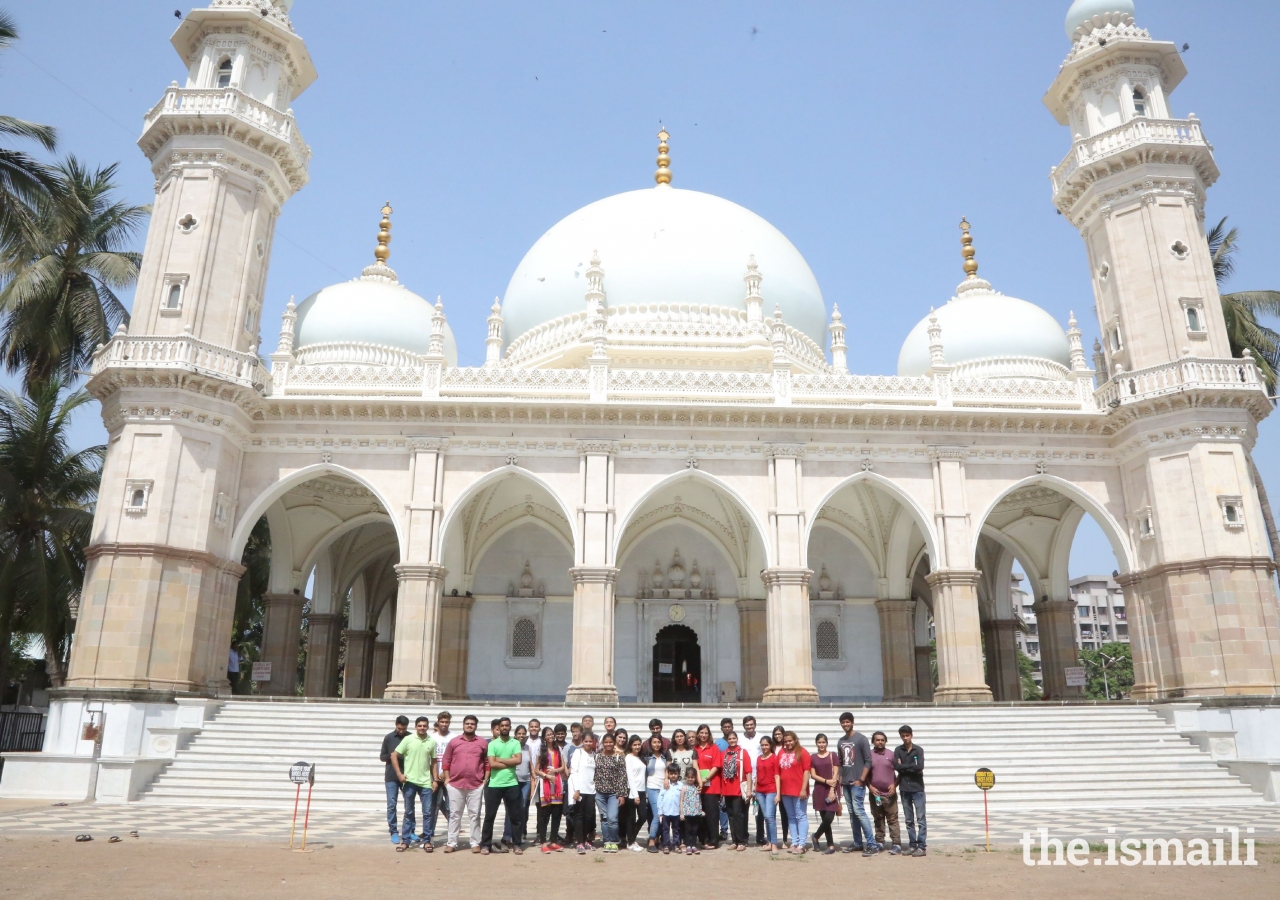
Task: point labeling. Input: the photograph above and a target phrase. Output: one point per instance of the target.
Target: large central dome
(662, 245)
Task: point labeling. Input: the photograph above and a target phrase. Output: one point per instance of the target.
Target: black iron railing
(21, 730)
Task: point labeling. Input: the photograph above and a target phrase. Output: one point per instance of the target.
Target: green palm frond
(58, 283)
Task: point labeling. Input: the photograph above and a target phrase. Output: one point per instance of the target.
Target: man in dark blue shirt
(389, 745)
(908, 762)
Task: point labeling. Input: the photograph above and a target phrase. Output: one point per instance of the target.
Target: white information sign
(1075, 676)
(261, 671)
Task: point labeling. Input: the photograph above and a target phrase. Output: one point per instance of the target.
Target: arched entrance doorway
(677, 666)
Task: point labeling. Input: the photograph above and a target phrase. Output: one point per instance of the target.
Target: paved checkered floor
(223, 823)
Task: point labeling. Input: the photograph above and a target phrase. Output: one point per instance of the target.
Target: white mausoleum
(664, 483)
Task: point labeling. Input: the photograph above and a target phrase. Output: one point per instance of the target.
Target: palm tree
(1241, 311)
(58, 282)
(47, 493)
(22, 178)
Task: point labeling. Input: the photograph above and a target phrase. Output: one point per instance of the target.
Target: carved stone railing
(862, 390)
(689, 325)
(499, 382)
(182, 352)
(1140, 130)
(356, 353)
(1011, 367)
(207, 102)
(1192, 372)
(684, 385)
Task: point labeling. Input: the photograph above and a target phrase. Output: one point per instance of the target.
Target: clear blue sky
(863, 136)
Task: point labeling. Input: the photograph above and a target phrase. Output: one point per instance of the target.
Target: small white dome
(662, 245)
(1085, 15)
(373, 311)
(980, 324)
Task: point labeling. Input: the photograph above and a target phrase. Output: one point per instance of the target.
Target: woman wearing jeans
(654, 781)
(793, 788)
(611, 789)
(766, 782)
(632, 815)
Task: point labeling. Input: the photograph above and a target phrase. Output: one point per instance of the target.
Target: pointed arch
(278, 489)
(918, 515)
(693, 525)
(711, 481)
(510, 526)
(455, 508)
(1110, 527)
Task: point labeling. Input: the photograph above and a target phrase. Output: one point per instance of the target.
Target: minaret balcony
(181, 354)
(1223, 377)
(1138, 141)
(231, 113)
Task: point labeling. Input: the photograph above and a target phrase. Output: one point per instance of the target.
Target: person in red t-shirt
(793, 781)
(735, 786)
(766, 782)
(708, 758)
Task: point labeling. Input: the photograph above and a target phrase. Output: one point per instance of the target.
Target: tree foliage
(1027, 675)
(1118, 660)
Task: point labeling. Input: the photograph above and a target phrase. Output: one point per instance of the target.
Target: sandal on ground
(517, 850)
(427, 848)
(449, 848)
(81, 838)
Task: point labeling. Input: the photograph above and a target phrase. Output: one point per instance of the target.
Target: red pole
(307, 817)
(985, 817)
(294, 826)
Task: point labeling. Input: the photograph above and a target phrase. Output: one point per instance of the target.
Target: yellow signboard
(985, 779)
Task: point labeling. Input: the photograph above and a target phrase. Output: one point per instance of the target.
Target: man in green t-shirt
(502, 787)
(417, 779)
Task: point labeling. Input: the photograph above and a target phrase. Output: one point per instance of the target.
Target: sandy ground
(138, 869)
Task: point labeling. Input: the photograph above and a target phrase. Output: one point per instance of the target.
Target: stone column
(1057, 621)
(897, 648)
(958, 636)
(281, 632)
(594, 577)
(455, 646)
(381, 673)
(753, 644)
(357, 674)
(1146, 679)
(593, 617)
(787, 629)
(154, 617)
(417, 635)
(924, 674)
(324, 631)
(1000, 639)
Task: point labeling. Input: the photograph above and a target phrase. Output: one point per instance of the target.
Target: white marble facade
(663, 379)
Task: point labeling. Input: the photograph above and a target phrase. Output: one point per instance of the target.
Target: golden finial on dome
(966, 249)
(383, 252)
(663, 175)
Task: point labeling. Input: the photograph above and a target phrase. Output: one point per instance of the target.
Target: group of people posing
(684, 793)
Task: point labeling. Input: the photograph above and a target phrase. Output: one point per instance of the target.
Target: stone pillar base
(427, 692)
(790, 694)
(978, 693)
(592, 695)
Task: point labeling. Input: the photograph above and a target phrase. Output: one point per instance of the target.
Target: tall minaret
(1134, 184)
(227, 154)
(1202, 606)
(160, 583)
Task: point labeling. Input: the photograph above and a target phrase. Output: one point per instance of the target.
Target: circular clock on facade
(676, 612)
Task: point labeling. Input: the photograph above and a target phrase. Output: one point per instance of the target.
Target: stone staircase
(1044, 758)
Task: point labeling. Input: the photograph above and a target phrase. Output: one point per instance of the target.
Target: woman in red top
(766, 780)
(735, 787)
(793, 783)
(708, 758)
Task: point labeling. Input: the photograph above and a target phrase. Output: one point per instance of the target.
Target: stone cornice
(597, 448)
(778, 576)
(164, 551)
(954, 577)
(1263, 563)
(420, 572)
(784, 451)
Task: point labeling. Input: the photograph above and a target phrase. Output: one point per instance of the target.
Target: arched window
(1139, 102)
(524, 639)
(828, 640)
(139, 498)
(1193, 319)
(224, 73)
(175, 297)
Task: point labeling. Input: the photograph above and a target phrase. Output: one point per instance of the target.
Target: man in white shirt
(749, 741)
(442, 736)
